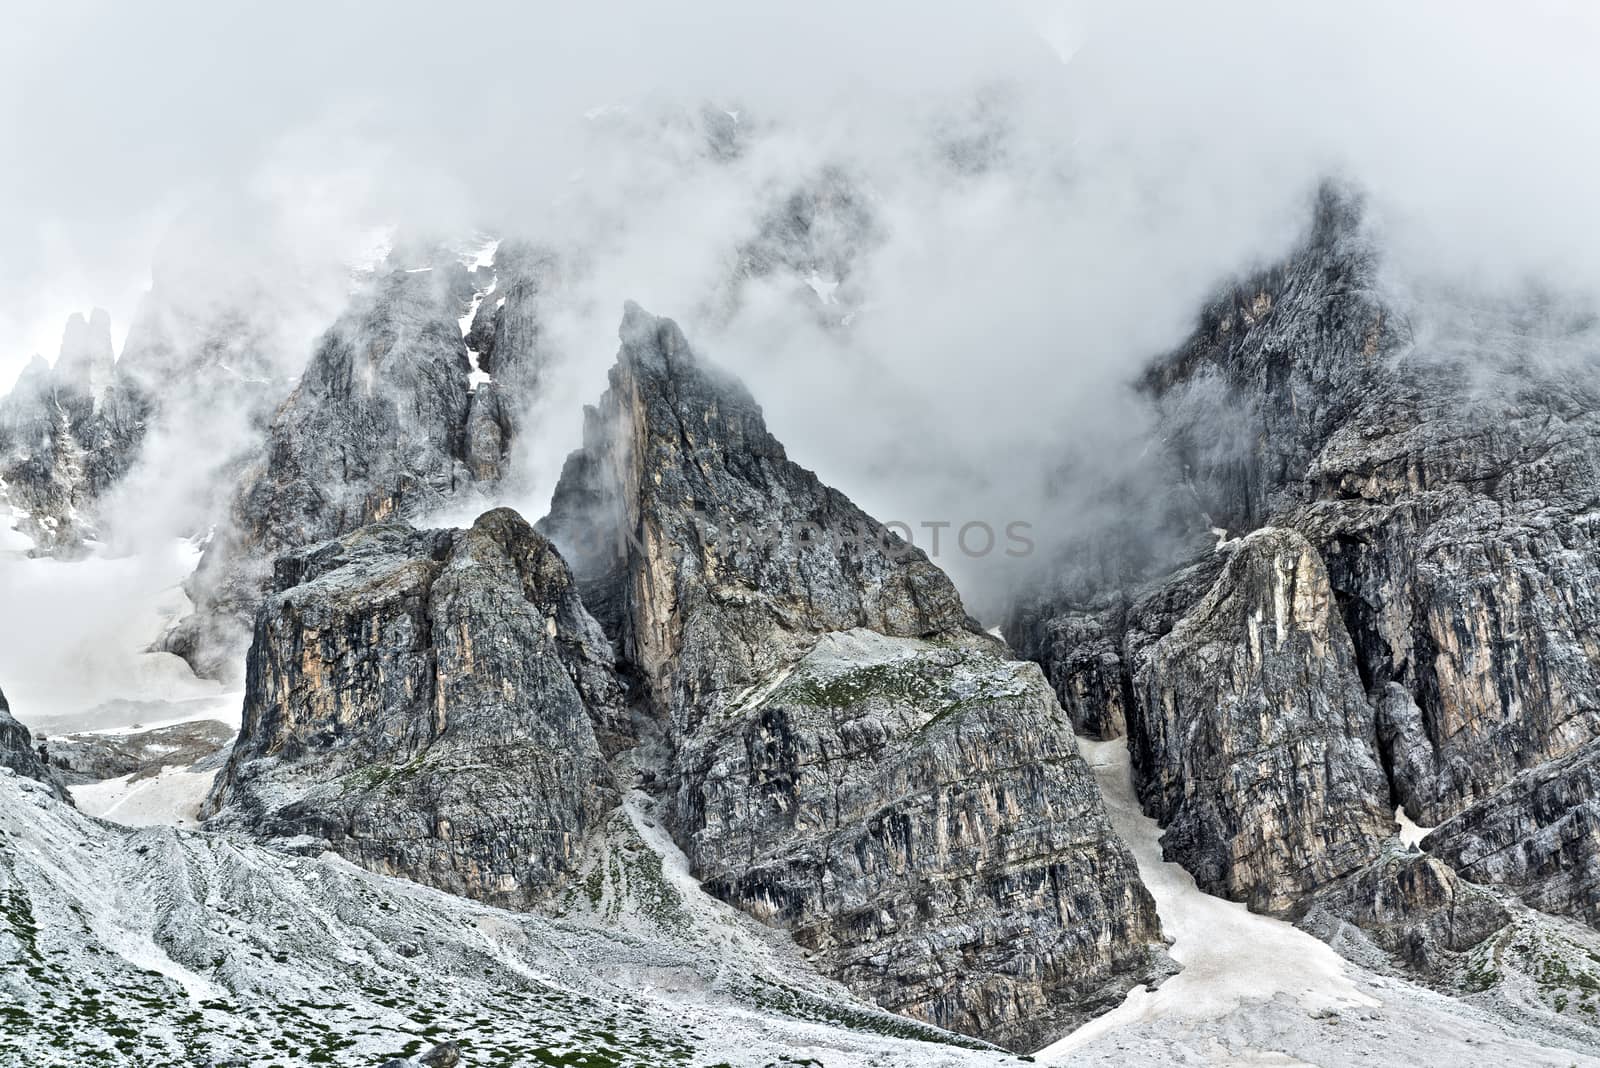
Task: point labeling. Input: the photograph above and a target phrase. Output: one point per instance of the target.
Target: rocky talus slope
(426, 703)
(847, 755)
(1371, 583)
(165, 946)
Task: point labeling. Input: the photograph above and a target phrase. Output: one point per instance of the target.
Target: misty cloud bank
(1012, 208)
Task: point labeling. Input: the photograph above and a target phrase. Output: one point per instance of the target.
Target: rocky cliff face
(375, 431)
(848, 757)
(413, 399)
(1254, 742)
(66, 437)
(1447, 482)
(1410, 905)
(1396, 606)
(713, 558)
(426, 703)
(1539, 837)
(916, 813)
(18, 752)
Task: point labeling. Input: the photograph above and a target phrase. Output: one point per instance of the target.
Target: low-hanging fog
(1040, 197)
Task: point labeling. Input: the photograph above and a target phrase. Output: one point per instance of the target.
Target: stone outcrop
(1538, 837)
(18, 752)
(847, 755)
(506, 339)
(1254, 743)
(1438, 465)
(1412, 906)
(714, 559)
(415, 398)
(96, 755)
(1447, 480)
(63, 442)
(426, 703)
(375, 431)
(917, 814)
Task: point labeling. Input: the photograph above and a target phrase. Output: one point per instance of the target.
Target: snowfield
(1258, 991)
(169, 798)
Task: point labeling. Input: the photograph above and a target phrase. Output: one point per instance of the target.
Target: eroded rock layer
(1539, 837)
(1438, 467)
(916, 813)
(425, 703)
(849, 757)
(1255, 743)
(713, 558)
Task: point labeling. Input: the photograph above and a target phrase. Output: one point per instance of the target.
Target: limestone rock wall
(426, 703)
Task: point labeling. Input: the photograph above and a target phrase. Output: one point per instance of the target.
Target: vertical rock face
(1276, 365)
(1539, 837)
(506, 336)
(1448, 484)
(715, 559)
(17, 752)
(917, 814)
(847, 756)
(1255, 743)
(375, 431)
(84, 368)
(1439, 465)
(426, 703)
(1468, 566)
(1083, 656)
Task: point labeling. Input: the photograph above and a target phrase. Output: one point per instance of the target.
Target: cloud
(1054, 186)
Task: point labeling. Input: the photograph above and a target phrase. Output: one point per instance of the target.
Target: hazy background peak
(1009, 207)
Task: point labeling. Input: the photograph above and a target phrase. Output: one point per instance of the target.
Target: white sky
(1146, 152)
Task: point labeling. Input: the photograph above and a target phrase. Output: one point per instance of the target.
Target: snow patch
(484, 255)
(823, 288)
(1409, 834)
(1230, 955)
(170, 798)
